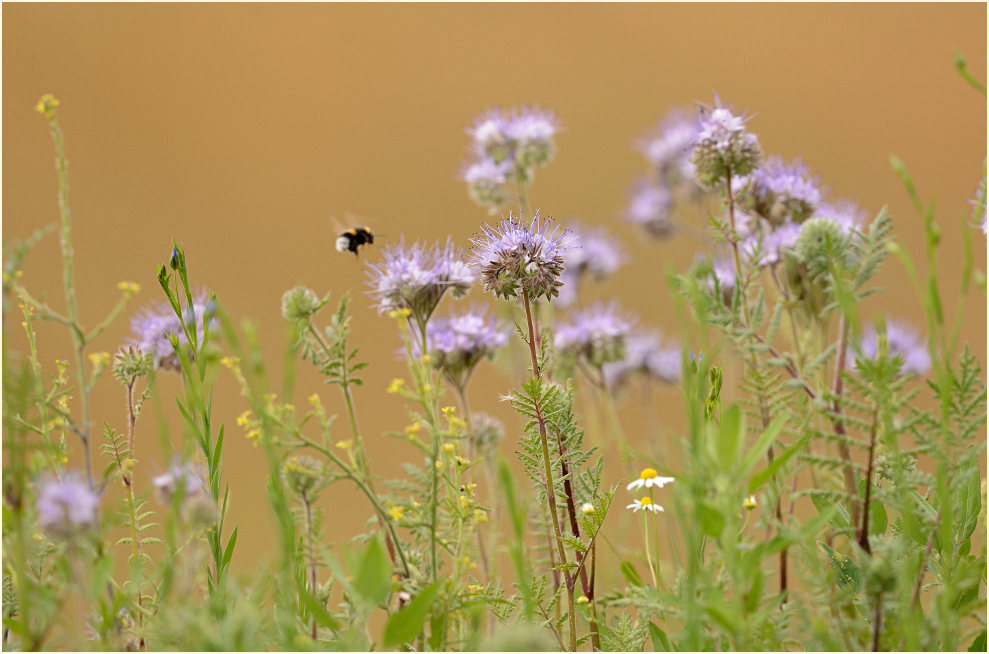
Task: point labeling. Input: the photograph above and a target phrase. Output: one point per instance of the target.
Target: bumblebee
(352, 239)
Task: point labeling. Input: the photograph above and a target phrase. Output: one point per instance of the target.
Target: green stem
(645, 533)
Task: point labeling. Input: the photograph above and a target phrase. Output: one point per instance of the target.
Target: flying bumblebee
(352, 239)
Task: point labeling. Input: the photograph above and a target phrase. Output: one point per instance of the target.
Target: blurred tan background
(240, 130)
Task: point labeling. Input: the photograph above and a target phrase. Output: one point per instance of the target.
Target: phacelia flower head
(518, 258)
(773, 245)
(152, 325)
(457, 343)
(596, 334)
(979, 206)
(821, 244)
(67, 507)
(845, 213)
(531, 130)
(782, 192)
(650, 206)
(902, 342)
(487, 182)
(646, 356)
(489, 135)
(670, 146)
(415, 277)
(181, 478)
(595, 254)
(724, 147)
(300, 304)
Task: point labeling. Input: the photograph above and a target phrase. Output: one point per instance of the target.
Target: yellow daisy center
(648, 473)
(645, 500)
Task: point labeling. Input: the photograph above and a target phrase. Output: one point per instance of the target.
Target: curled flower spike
(516, 258)
(723, 146)
(650, 478)
(645, 504)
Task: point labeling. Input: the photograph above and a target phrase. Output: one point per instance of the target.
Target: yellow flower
(100, 359)
(396, 385)
(480, 515)
(427, 388)
(649, 478)
(129, 289)
(582, 600)
(345, 445)
(749, 502)
(462, 461)
(398, 314)
(448, 411)
(413, 429)
(244, 419)
(458, 423)
(426, 358)
(314, 401)
(475, 588)
(396, 512)
(465, 502)
(449, 448)
(46, 105)
(230, 362)
(254, 436)
(439, 464)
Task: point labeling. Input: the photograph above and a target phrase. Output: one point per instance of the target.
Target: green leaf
(712, 522)
(630, 573)
(437, 627)
(317, 610)
(762, 444)
(979, 644)
(405, 625)
(970, 502)
(838, 516)
(732, 426)
(846, 573)
(761, 477)
(660, 641)
(229, 550)
(373, 579)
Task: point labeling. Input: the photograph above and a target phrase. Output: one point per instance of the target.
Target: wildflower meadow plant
(825, 491)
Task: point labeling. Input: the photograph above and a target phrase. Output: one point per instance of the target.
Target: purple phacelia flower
(457, 343)
(902, 342)
(181, 478)
(152, 325)
(415, 277)
(774, 244)
(669, 147)
(595, 254)
(650, 206)
(487, 182)
(724, 148)
(516, 258)
(67, 507)
(782, 192)
(845, 213)
(489, 135)
(596, 334)
(644, 355)
(523, 138)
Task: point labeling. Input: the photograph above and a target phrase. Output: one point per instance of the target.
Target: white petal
(638, 483)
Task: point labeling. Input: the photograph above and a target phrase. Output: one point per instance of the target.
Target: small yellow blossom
(254, 436)
(749, 503)
(439, 464)
(244, 419)
(230, 362)
(462, 461)
(396, 385)
(466, 502)
(426, 358)
(100, 359)
(449, 411)
(413, 429)
(426, 388)
(46, 105)
(37, 536)
(314, 401)
(582, 600)
(480, 515)
(398, 314)
(58, 421)
(396, 512)
(467, 563)
(449, 448)
(345, 445)
(129, 289)
(458, 423)
(475, 588)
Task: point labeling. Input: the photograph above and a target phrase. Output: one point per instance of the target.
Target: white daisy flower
(645, 504)
(749, 503)
(650, 478)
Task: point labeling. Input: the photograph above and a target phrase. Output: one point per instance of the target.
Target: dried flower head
(67, 507)
(596, 334)
(415, 277)
(724, 148)
(131, 362)
(300, 304)
(516, 258)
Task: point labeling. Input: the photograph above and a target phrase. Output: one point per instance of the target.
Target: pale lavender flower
(152, 325)
(774, 244)
(724, 148)
(669, 147)
(644, 355)
(848, 216)
(650, 206)
(902, 342)
(596, 334)
(595, 254)
(515, 258)
(457, 343)
(782, 192)
(180, 477)
(979, 206)
(531, 131)
(489, 135)
(67, 506)
(415, 277)
(487, 182)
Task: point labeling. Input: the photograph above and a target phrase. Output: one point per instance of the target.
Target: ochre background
(240, 130)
